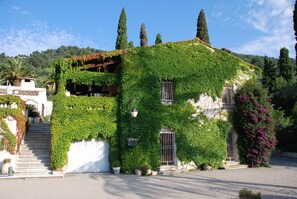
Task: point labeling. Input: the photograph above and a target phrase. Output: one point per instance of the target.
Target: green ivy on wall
(9, 140)
(80, 118)
(194, 69)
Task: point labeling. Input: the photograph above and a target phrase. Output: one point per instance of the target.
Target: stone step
(34, 161)
(38, 150)
(234, 165)
(33, 175)
(37, 135)
(34, 164)
(32, 167)
(32, 170)
(35, 145)
(38, 156)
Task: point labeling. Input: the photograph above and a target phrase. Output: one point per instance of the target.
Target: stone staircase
(34, 159)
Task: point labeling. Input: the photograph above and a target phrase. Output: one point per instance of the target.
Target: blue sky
(258, 27)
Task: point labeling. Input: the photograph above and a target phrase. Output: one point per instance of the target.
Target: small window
(228, 95)
(167, 92)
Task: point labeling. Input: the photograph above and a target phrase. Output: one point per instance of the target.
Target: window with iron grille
(228, 95)
(168, 148)
(167, 92)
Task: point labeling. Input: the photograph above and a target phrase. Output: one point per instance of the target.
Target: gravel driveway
(279, 180)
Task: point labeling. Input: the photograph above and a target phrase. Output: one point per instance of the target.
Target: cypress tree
(158, 39)
(202, 31)
(286, 69)
(131, 44)
(269, 74)
(122, 40)
(143, 36)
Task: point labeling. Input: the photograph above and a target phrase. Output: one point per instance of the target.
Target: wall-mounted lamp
(134, 112)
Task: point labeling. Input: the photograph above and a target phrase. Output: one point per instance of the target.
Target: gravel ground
(276, 182)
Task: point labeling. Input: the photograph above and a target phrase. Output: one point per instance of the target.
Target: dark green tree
(122, 40)
(143, 36)
(158, 39)
(14, 70)
(131, 44)
(202, 31)
(295, 25)
(269, 74)
(286, 68)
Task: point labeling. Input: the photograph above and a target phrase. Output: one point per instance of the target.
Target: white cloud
(37, 37)
(20, 10)
(274, 20)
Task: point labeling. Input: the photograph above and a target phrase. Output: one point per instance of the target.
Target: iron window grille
(167, 92)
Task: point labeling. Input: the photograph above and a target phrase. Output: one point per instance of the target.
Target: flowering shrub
(254, 125)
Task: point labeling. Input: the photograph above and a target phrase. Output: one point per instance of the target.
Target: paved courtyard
(280, 179)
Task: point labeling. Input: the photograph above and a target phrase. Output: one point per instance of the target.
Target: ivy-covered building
(182, 92)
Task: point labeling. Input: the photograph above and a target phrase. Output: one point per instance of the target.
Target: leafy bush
(116, 163)
(248, 194)
(32, 111)
(254, 124)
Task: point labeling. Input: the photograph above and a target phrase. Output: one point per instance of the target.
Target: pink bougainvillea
(254, 125)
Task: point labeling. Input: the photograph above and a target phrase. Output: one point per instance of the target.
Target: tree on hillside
(286, 68)
(202, 31)
(14, 69)
(143, 36)
(295, 25)
(122, 40)
(158, 39)
(49, 80)
(269, 74)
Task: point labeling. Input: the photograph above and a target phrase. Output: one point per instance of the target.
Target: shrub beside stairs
(34, 159)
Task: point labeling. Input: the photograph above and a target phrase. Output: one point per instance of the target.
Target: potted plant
(116, 167)
(145, 169)
(6, 165)
(137, 170)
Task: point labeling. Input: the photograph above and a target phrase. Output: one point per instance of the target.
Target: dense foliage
(202, 30)
(122, 38)
(191, 66)
(254, 124)
(98, 115)
(143, 36)
(194, 69)
(80, 118)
